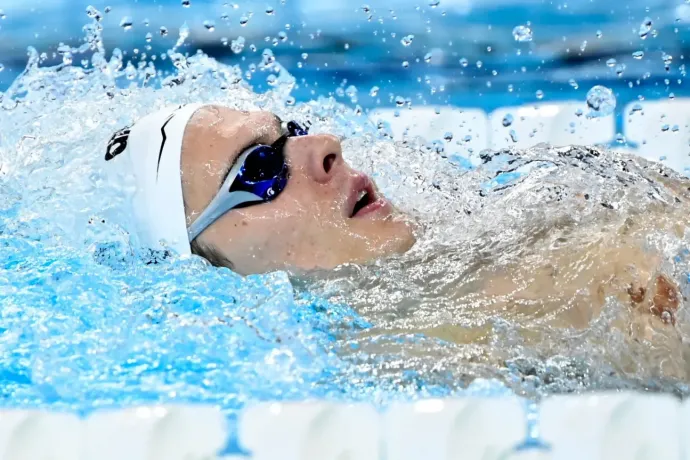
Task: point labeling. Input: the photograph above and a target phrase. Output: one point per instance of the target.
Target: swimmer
(250, 192)
(254, 193)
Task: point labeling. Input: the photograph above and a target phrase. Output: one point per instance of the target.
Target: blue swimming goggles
(258, 176)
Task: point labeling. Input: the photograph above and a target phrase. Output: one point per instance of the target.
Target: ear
(117, 143)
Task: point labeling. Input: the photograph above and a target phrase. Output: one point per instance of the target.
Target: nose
(320, 155)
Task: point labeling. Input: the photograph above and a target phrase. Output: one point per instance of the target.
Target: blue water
(88, 319)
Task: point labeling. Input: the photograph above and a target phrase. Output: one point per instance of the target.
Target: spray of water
(508, 281)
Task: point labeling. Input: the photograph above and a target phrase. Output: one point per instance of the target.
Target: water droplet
(583, 46)
(434, 3)
(620, 68)
(399, 101)
(210, 25)
(578, 113)
(149, 37)
(638, 54)
(620, 138)
(93, 13)
(522, 34)
(667, 58)
(374, 91)
(270, 10)
(467, 138)
(130, 71)
(407, 40)
(573, 83)
(599, 34)
(645, 27)
(671, 96)
(366, 8)
(224, 41)
(510, 88)
(507, 120)
(464, 62)
(126, 23)
(601, 101)
(664, 127)
(636, 108)
(186, 3)
(2, 67)
(405, 64)
(282, 36)
(513, 135)
(479, 64)
(237, 45)
(108, 9)
(448, 136)
(611, 62)
(427, 58)
(244, 20)
(164, 31)
(540, 94)
(2, 14)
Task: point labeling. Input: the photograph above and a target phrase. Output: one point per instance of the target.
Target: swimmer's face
(310, 224)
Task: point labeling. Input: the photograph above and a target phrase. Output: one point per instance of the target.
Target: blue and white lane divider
(620, 426)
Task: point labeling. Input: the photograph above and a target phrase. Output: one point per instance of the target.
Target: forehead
(217, 133)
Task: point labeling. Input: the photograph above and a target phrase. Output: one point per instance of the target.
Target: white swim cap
(153, 146)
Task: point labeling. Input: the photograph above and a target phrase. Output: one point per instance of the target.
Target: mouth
(364, 200)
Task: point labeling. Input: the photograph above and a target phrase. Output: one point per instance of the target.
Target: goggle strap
(218, 207)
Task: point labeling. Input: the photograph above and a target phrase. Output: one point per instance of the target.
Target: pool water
(90, 319)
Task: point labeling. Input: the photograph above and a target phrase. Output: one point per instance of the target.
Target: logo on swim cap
(117, 144)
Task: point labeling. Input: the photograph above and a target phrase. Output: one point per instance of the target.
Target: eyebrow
(226, 171)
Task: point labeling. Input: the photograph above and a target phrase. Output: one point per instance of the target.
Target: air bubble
(149, 37)
(464, 62)
(611, 62)
(645, 27)
(163, 31)
(513, 135)
(427, 58)
(210, 25)
(2, 14)
(434, 3)
(583, 46)
(507, 120)
(573, 83)
(405, 64)
(374, 91)
(539, 94)
(522, 34)
(399, 101)
(244, 20)
(186, 3)
(599, 34)
(282, 36)
(270, 11)
(601, 101)
(448, 136)
(638, 54)
(237, 45)
(2, 67)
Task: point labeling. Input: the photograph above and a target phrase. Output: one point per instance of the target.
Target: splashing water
(89, 318)
(522, 34)
(601, 101)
